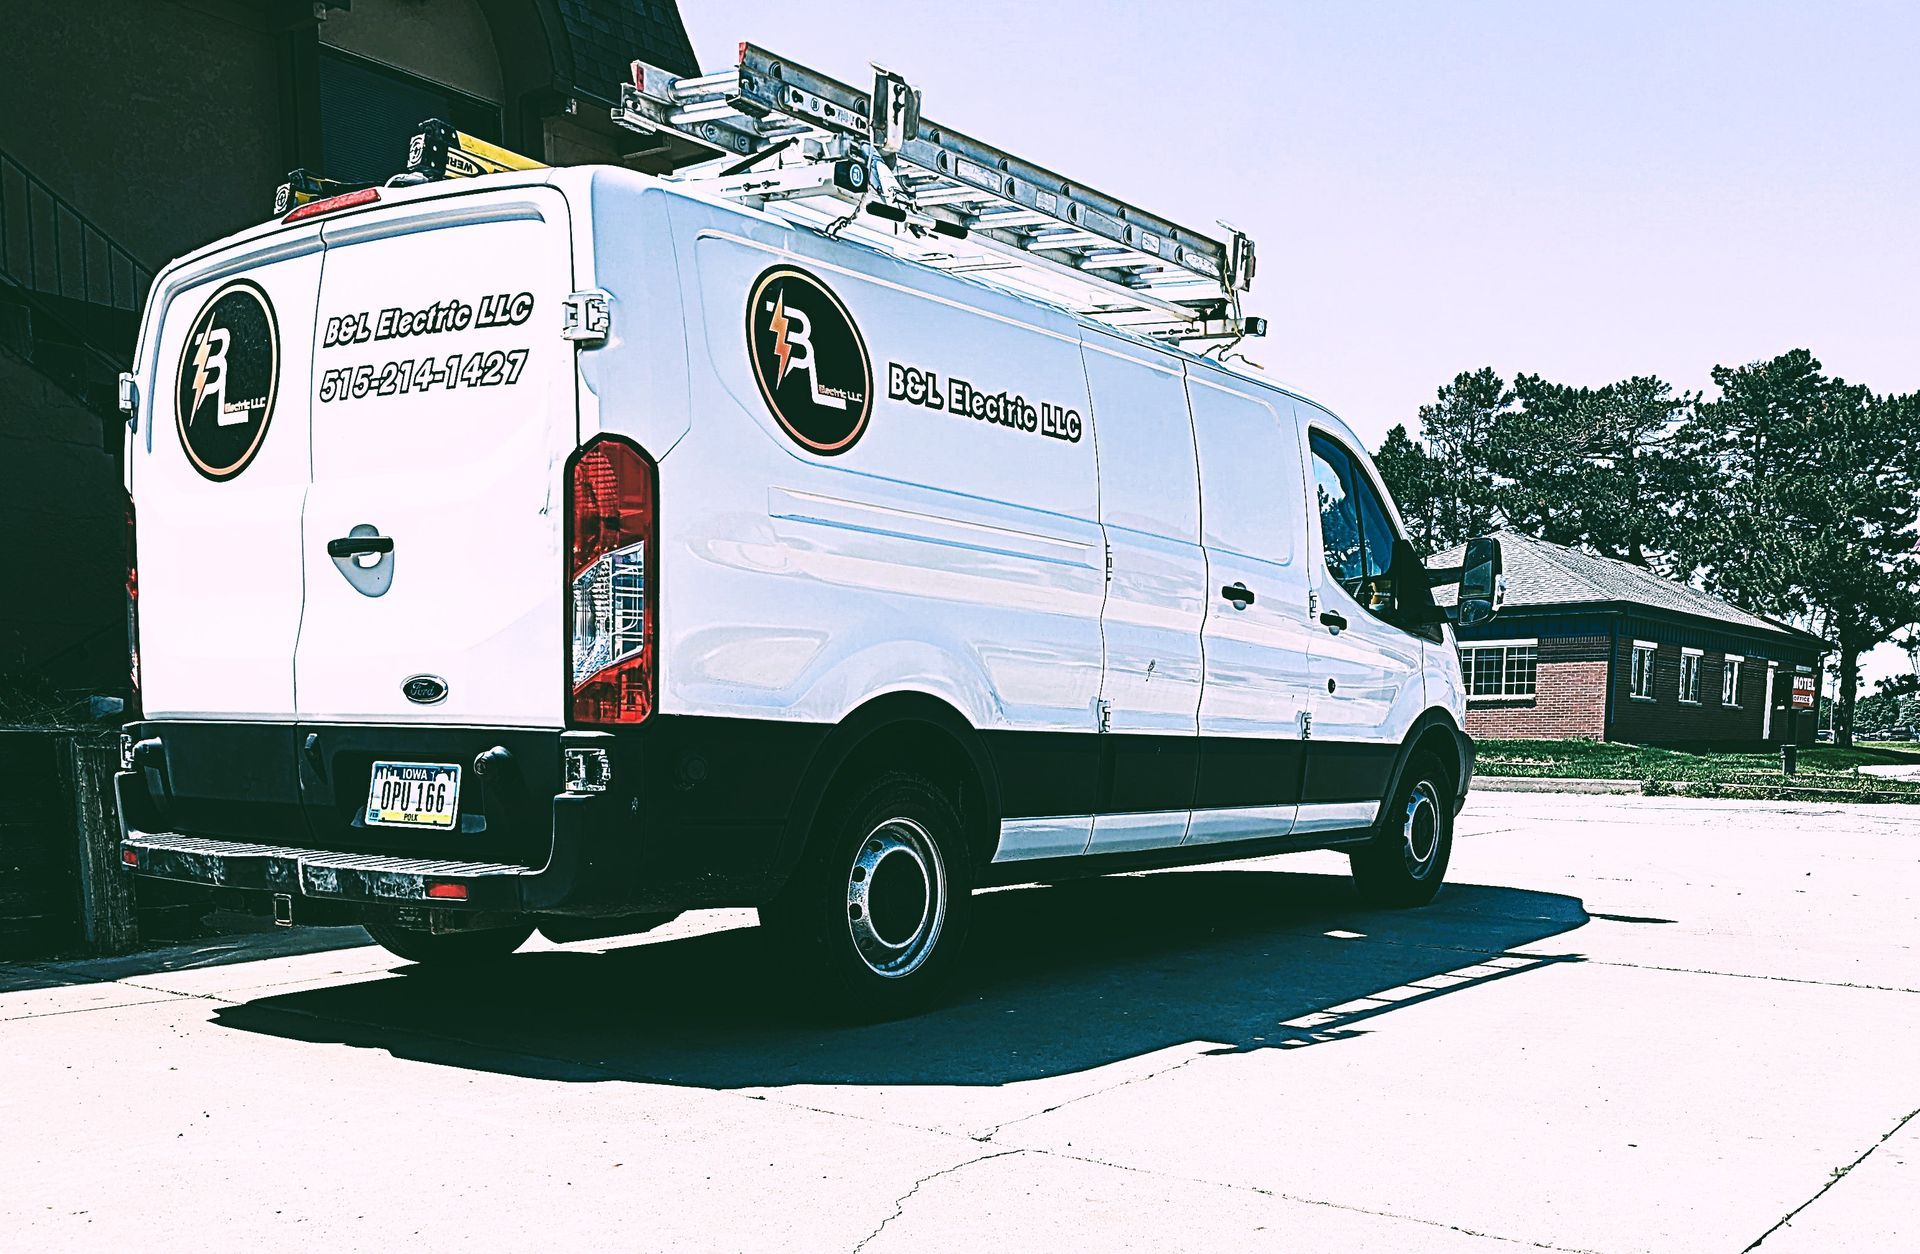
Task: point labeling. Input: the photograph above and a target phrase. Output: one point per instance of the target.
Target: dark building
(1591, 647)
(132, 131)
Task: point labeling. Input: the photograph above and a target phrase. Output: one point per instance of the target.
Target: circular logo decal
(229, 372)
(809, 360)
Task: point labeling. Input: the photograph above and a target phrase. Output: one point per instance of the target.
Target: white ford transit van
(568, 549)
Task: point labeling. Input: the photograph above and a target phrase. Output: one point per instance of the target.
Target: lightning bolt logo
(231, 347)
(778, 325)
(785, 310)
(203, 347)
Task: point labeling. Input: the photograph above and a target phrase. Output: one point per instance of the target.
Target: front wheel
(1406, 860)
(449, 950)
(878, 912)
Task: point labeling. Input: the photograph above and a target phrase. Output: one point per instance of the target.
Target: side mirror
(1483, 586)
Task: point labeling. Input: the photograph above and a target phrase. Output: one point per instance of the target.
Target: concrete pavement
(1629, 1023)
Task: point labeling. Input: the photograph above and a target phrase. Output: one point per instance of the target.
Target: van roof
(393, 195)
(390, 195)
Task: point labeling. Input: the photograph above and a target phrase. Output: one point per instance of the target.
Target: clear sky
(1586, 191)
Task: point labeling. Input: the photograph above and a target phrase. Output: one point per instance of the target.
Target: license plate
(413, 794)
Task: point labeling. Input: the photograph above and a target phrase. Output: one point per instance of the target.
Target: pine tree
(1803, 504)
(1457, 430)
(1412, 480)
(1591, 466)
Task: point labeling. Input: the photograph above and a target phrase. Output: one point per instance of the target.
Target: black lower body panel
(699, 811)
(692, 815)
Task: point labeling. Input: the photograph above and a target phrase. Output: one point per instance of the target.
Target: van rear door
(444, 411)
(217, 466)
(218, 472)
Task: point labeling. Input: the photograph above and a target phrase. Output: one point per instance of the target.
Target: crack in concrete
(996, 1129)
(900, 1203)
(1151, 1173)
(1278, 1196)
(84, 1010)
(1839, 1174)
(1748, 975)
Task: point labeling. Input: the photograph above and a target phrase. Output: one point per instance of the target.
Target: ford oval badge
(425, 689)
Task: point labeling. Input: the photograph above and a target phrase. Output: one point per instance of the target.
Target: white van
(568, 549)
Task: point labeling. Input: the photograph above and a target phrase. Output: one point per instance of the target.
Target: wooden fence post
(107, 917)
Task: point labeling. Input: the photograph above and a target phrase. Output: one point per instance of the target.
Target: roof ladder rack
(783, 138)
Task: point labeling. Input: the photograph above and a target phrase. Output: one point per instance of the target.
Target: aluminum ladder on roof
(785, 139)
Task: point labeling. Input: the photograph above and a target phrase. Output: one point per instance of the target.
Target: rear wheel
(449, 949)
(1405, 862)
(878, 912)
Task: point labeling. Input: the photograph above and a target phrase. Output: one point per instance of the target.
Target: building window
(1730, 680)
(1690, 676)
(1500, 669)
(1643, 651)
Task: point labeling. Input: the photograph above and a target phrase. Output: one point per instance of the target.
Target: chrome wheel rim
(896, 898)
(1420, 830)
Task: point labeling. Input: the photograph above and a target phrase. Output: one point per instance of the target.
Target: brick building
(132, 131)
(1591, 647)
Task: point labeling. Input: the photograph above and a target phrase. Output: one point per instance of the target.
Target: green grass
(1825, 773)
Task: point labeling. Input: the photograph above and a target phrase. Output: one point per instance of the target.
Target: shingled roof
(1543, 576)
(604, 36)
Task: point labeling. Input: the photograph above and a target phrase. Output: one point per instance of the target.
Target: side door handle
(355, 546)
(1239, 594)
(1337, 621)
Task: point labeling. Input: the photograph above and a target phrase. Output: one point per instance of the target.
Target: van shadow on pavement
(1061, 979)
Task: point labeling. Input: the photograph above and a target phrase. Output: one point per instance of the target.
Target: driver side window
(1354, 528)
(1339, 518)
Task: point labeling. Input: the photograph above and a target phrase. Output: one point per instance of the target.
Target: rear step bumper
(320, 874)
(327, 875)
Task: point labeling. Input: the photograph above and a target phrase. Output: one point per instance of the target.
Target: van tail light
(333, 204)
(613, 582)
(133, 604)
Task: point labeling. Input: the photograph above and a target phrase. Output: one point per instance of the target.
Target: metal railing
(49, 247)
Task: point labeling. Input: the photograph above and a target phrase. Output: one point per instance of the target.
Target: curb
(1806, 793)
(246, 943)
(1529, 783)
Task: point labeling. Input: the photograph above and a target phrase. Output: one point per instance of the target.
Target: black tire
(1406, 861)
(449, 950)
(876, 917)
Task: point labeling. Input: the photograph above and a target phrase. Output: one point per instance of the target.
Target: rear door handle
(1239, 594)
(1329, 618)
(354, 546)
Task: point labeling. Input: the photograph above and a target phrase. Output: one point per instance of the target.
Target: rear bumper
(693, 814)
(572, 880)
